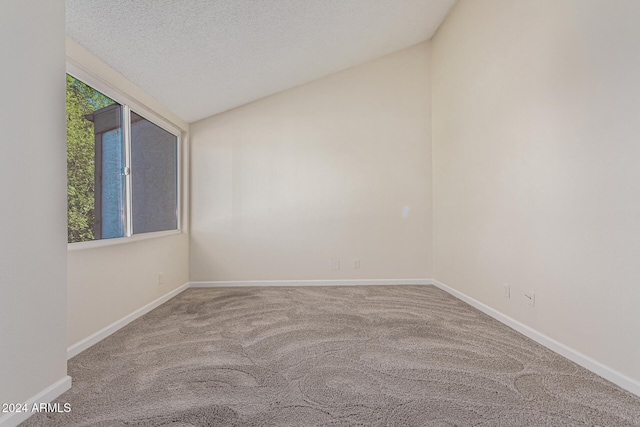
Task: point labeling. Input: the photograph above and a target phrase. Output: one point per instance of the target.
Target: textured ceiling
(202, 57)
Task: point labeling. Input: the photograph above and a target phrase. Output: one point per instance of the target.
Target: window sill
(92, 244)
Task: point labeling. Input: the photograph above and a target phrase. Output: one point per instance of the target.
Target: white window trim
(132, 105)
(92, 244)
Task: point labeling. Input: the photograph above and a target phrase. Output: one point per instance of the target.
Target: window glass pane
(154, 175)
(112, 185)
(95, 162)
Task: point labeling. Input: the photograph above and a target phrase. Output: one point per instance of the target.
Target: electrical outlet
(506, 290)
(356, 263)
(335, 264)
(531, 298)
(160, 278)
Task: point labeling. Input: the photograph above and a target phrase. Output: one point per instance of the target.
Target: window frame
(129, 104)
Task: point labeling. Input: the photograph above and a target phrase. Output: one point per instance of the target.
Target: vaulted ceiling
(203, 57)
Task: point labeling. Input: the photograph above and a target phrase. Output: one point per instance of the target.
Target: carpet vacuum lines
(409, 355)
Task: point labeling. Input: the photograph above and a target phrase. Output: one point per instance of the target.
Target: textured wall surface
(33, 296)
(536, 177)
(282, 186)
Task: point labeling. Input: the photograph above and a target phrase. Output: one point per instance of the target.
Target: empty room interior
(387, 212)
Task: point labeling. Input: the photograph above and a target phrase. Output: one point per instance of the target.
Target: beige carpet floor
(330, 356)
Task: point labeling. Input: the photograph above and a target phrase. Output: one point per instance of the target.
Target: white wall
(536, 108)
(285, 184)
(33, 295)
(108, 283)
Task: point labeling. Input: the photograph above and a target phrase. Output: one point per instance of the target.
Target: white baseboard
(587, 362)
(349, 282)
(12, 419)
(108, 330)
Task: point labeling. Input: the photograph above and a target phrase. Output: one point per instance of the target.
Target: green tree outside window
(82, 100)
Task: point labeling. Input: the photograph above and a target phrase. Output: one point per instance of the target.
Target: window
(122, 169)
